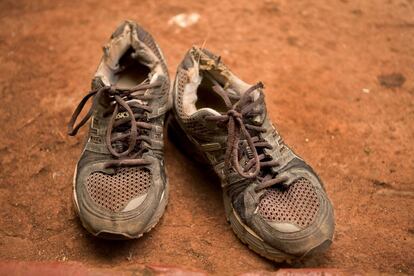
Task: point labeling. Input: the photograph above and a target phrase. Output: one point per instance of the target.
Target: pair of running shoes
(274, 201)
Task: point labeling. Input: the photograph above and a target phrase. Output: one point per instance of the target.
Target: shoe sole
(242, 231)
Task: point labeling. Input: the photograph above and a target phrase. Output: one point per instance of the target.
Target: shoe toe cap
(299, 240)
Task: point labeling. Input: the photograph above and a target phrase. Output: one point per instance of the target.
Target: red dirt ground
(340, 87)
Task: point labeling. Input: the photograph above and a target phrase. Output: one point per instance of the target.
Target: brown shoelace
(120, 98)
(238, 125)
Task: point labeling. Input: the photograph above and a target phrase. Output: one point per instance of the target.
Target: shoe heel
(177, 135)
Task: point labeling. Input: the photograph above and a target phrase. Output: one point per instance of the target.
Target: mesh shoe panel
(296, 205)
(113, 192)
(193, 124)
(182, 79)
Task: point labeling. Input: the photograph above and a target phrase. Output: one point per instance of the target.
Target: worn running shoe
(120, 185)
(275, 202)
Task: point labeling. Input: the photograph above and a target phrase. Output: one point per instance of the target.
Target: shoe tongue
(206, 129)
(152, 79)
(205, 111)
(236, 93)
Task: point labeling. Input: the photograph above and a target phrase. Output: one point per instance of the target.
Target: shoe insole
(133, 73)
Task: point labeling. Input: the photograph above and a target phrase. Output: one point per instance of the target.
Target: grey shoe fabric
(274, 201)
(120, 185)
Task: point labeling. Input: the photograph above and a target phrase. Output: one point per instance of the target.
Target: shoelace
(237, 125)
(120, 98)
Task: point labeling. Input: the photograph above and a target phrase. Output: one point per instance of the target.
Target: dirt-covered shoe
(274, 201)
(120, 185)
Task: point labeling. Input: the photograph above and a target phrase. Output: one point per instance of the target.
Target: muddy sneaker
(274, 201)
(120, 185)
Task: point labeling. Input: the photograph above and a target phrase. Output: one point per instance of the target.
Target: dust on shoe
(275, 202)
(120, 186)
